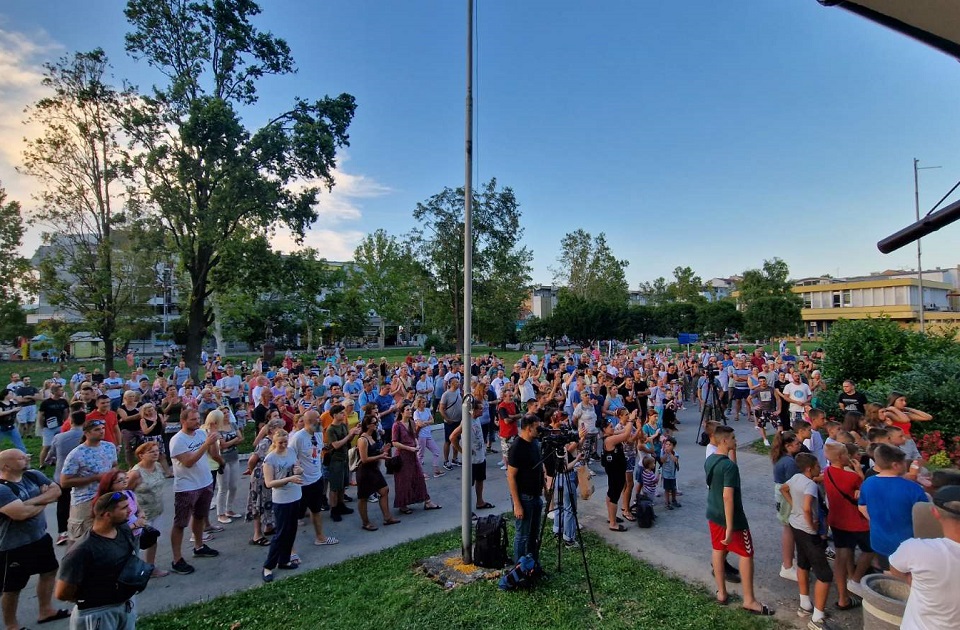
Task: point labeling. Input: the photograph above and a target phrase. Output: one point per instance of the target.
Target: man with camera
(525, 480)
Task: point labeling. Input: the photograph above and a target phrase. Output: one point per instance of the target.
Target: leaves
(588, 269)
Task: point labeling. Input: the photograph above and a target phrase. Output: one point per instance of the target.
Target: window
(836, 299)
(845, 298)
(807, 300)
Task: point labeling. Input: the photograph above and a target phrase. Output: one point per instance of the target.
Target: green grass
(759, 447)
(382, 590)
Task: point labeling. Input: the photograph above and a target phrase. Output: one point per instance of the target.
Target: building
(540, 302)
(716, 289)
(893, 293)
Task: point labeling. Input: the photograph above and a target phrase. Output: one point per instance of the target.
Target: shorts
(505, 444)
(31, 559)
(191, 503)
(631, 464)
(741, 543)
(812, 555)
(338, 475)
(669, 485)
(843, 539)
(312, 496)
(80, 520)
(766, 417)
(448, 428)
(740, 394)
(48, 435)
(883, 562)
(479, 471)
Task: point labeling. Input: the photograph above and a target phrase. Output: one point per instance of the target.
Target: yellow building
(893, 294)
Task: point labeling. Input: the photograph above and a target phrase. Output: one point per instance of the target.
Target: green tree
(534, 329)
(348, 314)
(584, 321)
(674, 318)
(210, 179)
(686, 286)
(587, 267)
(716, 318)
(16, 278)
(641, 321)
(90, 266)
(384, 276)
(501, 266)
(771, 308)
(771, 280)
(656, 292)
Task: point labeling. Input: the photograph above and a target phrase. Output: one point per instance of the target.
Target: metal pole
(916, 202)
(466, 503)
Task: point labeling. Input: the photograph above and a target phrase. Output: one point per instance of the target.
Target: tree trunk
(196, 323)
(108, 348)
(218, 330)
(383, 333)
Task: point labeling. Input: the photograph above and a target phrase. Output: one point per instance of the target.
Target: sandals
(486, 506)
(61, 613)
(618, 528)
(629, 517)
(406, 510)
(432, 506)
(329, 540)
(855, 602)
(289, 566)
(263, 541)
(369, 527)
(392, 521)
(619, 520)
(765, 611)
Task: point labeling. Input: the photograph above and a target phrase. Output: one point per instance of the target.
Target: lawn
(382, 590)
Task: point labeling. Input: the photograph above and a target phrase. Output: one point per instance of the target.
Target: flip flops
(486, 506)
(263, 541)
(392, 521)
(765, 611)
(629, 517)
(405, 510)
(61, 613)
(618, 528)
(432, 507)
(369, 527)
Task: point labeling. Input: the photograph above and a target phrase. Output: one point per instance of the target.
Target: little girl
(649, 477)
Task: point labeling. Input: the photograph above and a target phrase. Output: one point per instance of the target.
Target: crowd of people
(325, 430)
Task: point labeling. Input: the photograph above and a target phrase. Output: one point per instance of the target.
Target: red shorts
(741, 543)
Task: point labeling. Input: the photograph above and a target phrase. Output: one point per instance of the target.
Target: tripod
(562, 480)
(712, 402)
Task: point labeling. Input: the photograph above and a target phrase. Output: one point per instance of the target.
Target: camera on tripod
(556, 438)
(711, 371)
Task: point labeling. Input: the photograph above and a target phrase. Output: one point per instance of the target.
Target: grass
(759, 447)
(382, 590)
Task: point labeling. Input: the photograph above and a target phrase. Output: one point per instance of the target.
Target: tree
(771, 308)
(534, 329)
(656, 292)
(717, 318)
(588, 268)
(210, 179)
(674, 318)
(89, 267)
(16, 279)
(384, 277)
(641, 321)
(583, 320)
(438, 245)
(686, 286)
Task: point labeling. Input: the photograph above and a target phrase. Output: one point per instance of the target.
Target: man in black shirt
(53, 412)
(525, 479)
(851, 399)
(89, 572)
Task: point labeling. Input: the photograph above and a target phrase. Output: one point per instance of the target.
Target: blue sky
(712, 134)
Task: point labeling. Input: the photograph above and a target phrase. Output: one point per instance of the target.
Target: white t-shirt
(800, 486)
(711, 449)
(935, 566)
(799, 392)
(308, 455)
(187, 478)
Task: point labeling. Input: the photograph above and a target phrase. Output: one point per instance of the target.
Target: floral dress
(260, 501)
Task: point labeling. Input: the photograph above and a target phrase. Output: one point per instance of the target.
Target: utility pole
(916, 202)
(466, 419)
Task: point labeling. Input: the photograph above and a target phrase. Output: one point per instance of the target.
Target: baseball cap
(947, 499)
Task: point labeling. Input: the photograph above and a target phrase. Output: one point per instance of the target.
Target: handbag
(394, 465)
(149, 537)
(134, 575)
(353, 458)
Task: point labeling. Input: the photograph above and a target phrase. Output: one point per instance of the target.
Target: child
(669, 465)
(803, 432)
(802, 494)
(833, 428)
(899, 439)
(649, 477)
(887, 500)
(818, 419)
(842, 481)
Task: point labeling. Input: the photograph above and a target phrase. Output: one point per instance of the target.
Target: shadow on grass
(383, 590)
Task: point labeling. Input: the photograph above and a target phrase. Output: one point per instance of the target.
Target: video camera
(556, 438)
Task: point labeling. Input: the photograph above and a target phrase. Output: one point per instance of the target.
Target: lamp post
(916, 202)
(466, 417)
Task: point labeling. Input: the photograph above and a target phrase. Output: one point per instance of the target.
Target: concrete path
(679, 542)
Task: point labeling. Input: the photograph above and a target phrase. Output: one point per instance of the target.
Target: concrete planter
(884, 600)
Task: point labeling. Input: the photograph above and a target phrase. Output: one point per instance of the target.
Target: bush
(436, 341)
(931, 385)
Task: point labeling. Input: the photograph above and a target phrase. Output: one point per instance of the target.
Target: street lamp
(916, 201)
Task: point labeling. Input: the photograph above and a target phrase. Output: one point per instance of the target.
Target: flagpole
(466, 502)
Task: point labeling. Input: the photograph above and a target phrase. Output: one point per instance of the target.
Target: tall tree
(686, 286)
(384, 276)
(717, 318)
(771, 279)
(584, 321)
(16, 279)
(770, 307)
(210, 178)
(657, 292)
(587, 267)
(496, 251)
(89, 267)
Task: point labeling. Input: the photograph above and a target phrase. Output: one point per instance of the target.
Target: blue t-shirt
(890, 502)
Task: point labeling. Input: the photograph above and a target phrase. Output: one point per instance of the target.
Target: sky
(707, 133)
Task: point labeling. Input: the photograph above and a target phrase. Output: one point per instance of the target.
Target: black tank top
(614, 461)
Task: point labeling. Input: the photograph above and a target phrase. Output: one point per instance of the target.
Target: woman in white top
(282, 474)
(423, 418)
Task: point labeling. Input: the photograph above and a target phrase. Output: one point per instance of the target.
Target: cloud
(341, 208)
(21, 73)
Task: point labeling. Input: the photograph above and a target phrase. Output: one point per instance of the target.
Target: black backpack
(643, 512)
(491, 542)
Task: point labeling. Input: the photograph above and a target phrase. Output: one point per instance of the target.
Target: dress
(369, 477)
(408, 484)
(260, 501)
(150, 491)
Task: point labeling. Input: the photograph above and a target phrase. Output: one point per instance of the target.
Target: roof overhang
(933, 22)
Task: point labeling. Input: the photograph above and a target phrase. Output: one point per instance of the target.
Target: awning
(933, 22)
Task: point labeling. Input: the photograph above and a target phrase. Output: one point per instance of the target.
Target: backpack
(643, 512)
(525, 574)
(491, 542)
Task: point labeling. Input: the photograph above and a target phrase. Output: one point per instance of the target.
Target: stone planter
(884, 599)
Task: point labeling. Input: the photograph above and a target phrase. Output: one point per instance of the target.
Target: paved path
(679, 542)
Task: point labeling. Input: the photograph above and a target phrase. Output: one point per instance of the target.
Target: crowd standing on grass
(326, 430)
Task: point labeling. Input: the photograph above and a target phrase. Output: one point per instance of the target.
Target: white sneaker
(855, 587)
(503, 467)
(789, 574)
